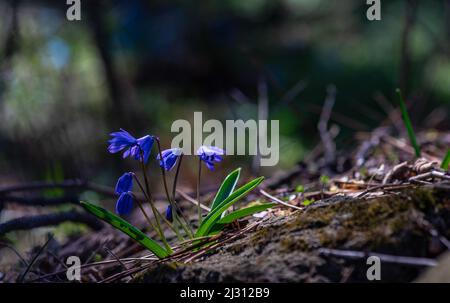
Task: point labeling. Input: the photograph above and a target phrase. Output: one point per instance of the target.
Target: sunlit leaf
(244, 212)
(126, 228)
(226, 188)
(210, 219)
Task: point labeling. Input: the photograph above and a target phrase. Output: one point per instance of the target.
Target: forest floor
(376, 200)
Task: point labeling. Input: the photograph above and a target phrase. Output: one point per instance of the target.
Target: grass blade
(408, 124)
(126, 228)
(226, 188)
(212, 217)
(446, 161)
(244, 212)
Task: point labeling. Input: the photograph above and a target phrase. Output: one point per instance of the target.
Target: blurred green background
(140, 65)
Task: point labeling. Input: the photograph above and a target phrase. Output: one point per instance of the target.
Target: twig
(405, 147)
(118, 259)
(394, 171)
(106, 262)
(15, 251)
(367, 146)
(431, 174)
(208, 248)
(383, 186)
(275, 199)
(292, 93)
(351, 254)
(327, 141)
(22, 276)
(193, 201)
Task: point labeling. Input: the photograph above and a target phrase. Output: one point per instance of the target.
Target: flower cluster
(140, 149)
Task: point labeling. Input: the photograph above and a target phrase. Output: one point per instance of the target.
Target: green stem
(160, 215)
(174, 187)
(187, 229)
(166, 189)
(154, 210)
(199, 209)
(146, 216)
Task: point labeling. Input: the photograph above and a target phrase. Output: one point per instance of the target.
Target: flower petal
(125, 183)
(124, 204)
(169, 215)
(145, 143)
(120, 140)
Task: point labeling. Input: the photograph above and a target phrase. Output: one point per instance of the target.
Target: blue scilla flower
(210, 154)
(125, 183)
(145, 143)
(169, 158)
(123, 140)
(124, 204)
(169, 215)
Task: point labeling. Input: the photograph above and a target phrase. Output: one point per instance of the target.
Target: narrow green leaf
(210, 219)
(226, 188)
(446, 161)
(408, 124)
(244, 212)
(126, 228)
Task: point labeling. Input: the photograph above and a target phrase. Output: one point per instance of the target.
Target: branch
(356, 255)
(39, 201)
(327, 140)
(30, 222)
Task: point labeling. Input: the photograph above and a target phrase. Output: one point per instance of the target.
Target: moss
(285, 249)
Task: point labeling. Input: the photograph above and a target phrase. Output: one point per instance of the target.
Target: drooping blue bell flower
(124, 204)
(169, 215)
(210, 154)
(124, 183)
(169, 158)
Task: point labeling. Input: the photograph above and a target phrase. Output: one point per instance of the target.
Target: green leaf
(446, 161)
(307, 202)
(324, 179)
(244, 212)
(212, 217)
(300, 189)
(126, 228)
(226, 188)
(408, 124)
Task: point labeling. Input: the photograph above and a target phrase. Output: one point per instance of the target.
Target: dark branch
(39, 201)
(30, 222)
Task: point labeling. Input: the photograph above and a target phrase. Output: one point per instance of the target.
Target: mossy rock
(286, 249)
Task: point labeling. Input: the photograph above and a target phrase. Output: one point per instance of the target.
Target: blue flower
(210, 154)
(169, 216)
(125, 183)
(122, 140)
(169, 158)
(124, 204)
(145, 143)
